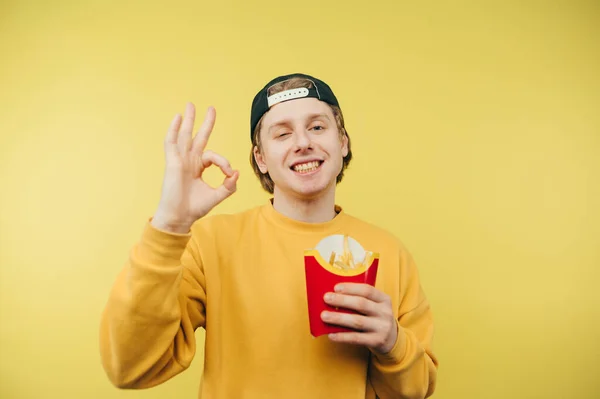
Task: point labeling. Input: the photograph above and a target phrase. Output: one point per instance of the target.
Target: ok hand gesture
(185, 196)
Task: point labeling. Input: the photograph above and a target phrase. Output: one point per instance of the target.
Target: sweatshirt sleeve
(409, 370)
(153, 309)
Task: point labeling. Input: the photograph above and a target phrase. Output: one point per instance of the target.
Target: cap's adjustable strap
(289, 95)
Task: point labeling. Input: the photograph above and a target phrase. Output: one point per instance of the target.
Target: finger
(172, 132)
(360, 304)
(362, 290)
(204, 131)
(230, 182)
(184, 141)
(171, 136)
(211, 158)
(228, 187)
(353, 321)
(355, 338)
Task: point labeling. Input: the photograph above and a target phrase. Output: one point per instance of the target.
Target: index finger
(204, 131)
(363, 290)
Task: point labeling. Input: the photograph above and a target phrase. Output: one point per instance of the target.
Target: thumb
(229, 185)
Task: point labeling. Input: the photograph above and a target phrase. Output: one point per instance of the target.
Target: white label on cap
(287, 95)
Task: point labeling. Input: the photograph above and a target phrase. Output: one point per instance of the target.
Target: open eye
(318, 127)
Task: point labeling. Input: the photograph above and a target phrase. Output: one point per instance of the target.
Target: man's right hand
(185, 197)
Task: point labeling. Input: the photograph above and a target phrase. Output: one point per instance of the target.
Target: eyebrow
(311, 117)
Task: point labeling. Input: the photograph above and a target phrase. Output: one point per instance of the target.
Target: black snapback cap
(263, 102)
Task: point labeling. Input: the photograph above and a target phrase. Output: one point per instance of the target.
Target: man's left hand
(375, 326)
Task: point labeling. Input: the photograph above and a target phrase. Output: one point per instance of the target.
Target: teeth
(307, 167)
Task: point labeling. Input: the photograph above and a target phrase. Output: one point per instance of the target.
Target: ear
(260, 161)
(344, 144)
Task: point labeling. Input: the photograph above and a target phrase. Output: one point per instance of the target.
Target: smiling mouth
(306, 167)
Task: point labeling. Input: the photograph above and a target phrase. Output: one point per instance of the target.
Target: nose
(302, 140)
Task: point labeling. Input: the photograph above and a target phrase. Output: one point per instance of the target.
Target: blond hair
(295, 83)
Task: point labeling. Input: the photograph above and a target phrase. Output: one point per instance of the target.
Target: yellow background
(476, 134)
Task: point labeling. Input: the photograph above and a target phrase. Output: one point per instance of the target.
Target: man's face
(302, 149)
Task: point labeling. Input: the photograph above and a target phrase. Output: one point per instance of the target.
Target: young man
(242, 277)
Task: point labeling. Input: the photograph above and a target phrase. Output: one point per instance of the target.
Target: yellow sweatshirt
(242, 278)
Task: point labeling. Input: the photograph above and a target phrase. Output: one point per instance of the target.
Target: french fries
(346, 261)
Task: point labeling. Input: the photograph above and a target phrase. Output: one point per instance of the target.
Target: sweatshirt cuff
(398, 352)
(157, 243)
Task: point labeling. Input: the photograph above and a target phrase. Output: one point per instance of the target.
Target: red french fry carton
(337, 259)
